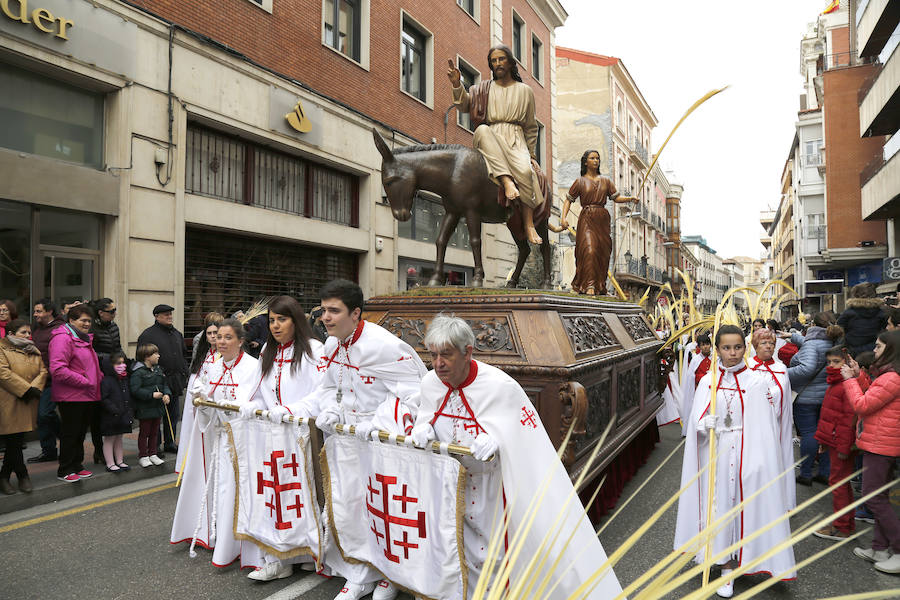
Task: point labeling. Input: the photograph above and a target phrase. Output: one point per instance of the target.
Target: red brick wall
(288, 41)
(846, 155)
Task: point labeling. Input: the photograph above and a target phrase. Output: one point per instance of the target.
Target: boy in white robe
(748, 457)
(471, 403)
(370, 379)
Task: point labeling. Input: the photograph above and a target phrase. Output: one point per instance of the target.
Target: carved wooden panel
(588, 333)
(636, 327)
(629, 389)
(598, 411)
(493, 334)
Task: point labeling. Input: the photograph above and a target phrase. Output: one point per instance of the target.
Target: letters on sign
(40, 18)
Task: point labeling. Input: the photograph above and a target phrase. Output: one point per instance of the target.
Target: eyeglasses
(112, 312)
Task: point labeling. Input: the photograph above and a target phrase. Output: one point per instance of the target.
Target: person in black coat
(115, 410)
(105, 329)
(170, 342)
(863, 319)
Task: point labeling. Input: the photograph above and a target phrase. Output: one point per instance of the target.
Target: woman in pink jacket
(76, 388)
(879, 438)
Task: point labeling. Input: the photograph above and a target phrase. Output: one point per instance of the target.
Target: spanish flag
(835, 5)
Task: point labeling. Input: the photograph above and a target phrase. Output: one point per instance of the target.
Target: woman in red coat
(879, 439)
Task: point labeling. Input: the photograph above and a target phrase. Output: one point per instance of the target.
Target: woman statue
(592, 240)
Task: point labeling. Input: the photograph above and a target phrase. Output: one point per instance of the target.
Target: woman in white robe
(288, 373)
(205, 354)
(232, 380)
(748, 457)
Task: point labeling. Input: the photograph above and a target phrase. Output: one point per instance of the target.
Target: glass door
(70, 276)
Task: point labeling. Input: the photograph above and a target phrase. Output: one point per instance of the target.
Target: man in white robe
(779, 396)
(670, 411)
(506, 132)
(748, 457)
(370, 379)
(701, 350)
(471, 403)
(206, 498)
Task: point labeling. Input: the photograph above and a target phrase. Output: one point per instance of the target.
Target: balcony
(627, 265)
(880, 195)
(878, 20)
(637, 152)
(879, 112)
(766, 241)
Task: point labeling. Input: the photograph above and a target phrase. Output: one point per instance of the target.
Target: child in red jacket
(837, 434)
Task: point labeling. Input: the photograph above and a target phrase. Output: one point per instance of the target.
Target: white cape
(779, 394)
(527, 459)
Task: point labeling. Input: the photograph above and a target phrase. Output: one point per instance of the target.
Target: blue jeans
(806, 420)
(48, 423)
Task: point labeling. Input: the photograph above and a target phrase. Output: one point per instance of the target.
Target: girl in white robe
(232, 380)
(204, 357)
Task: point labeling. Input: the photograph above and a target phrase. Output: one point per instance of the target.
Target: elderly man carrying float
(467, 402)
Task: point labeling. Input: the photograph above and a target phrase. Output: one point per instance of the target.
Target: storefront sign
(890, 269)
(76, 28)
(297, 119)
(300, 119)
(41, 18)
(869, 272)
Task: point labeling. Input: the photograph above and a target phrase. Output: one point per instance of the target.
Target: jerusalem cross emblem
(415, 520)
(275, 503)
(528, 418)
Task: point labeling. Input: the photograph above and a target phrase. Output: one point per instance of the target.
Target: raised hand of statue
(453, 74)
(564, 223)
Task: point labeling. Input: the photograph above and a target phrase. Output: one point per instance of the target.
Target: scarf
(82, 336)
(833, 375)
(23, 344)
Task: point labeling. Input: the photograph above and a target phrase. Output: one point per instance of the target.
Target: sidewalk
(47, 488)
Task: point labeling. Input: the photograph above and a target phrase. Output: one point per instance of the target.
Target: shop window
(425, 223)
(232, 169)
(417, 273)
(414, 57)
(228, 273)
(342, 31)
(468, 77)
(48, 118)
(15, 255)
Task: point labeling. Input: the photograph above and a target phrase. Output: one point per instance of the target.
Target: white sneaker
(891, 565)
(384, 590)
(872, 555)
(144, 461)
(272, 570)
(156, 460)
(727, 589)
(354, 591)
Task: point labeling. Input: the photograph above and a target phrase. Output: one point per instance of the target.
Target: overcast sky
(729, 154)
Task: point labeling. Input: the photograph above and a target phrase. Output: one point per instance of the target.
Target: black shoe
(171, 448)
(43, 458)
(823, 479)
(6, 487)
(807, 481)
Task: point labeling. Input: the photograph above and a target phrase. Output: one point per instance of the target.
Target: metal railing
(635, 146)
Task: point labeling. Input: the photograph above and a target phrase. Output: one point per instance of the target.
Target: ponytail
(834, 332)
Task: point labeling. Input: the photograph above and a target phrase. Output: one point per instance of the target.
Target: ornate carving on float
(636, 327)
(493, 334)
(629, 390)
(598, 410)
(411, 331)
(573, 411)
(588, 333)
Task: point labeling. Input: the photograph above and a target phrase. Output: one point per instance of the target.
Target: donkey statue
(458, 174)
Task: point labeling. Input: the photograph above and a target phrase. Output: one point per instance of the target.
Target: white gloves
(484, 447)
(364, 430)
(248, 411)
(711, 422)
(328, 418)
(276, 412)
(422, 434)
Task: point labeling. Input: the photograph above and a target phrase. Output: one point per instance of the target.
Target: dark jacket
(40, 336)
(144, 382)
(862, 320)
(807, 368)
(106, 338)
(171, 354)
(115, 401)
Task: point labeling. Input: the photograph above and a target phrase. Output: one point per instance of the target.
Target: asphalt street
(114, 544)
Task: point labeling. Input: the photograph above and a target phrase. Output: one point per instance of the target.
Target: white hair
(447, 330)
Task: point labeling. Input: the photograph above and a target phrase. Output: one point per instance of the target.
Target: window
(537, 53)
(620, 116)
(44, 117)
(234, 170)
(468, 77)
(468, 6)
(427, 214)
(539, 145)
(620, 185)
(266, 5)
(518, 37)
(342, 26)
(413, 58)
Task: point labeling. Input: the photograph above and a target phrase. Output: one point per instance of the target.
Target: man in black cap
(170, 342)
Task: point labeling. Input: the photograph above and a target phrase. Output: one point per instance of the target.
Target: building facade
(600, 107)
(210, 153)
(711, 277)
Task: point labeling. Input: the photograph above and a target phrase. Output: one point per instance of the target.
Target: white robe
(230, 384)
(501, 409)
(748, 456)
(687, 386)
(672, 405)
(283, 386)
(779, 396)
(378, 375)
(187, 416)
